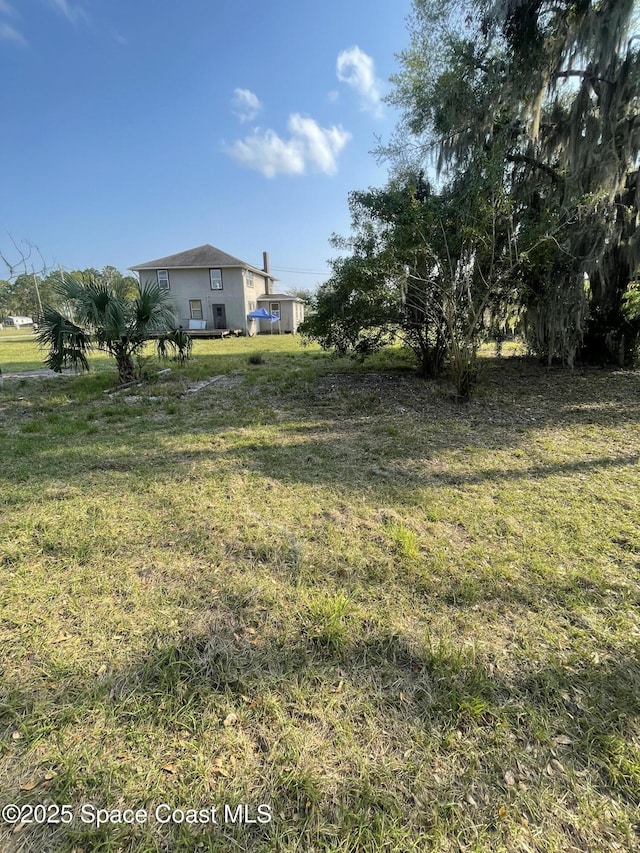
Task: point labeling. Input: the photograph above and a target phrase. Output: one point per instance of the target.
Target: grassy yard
(400, 623)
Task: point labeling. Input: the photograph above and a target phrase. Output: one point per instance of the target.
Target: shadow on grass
(317, 677)
(345, 462)
(375, 432)
(232, 681)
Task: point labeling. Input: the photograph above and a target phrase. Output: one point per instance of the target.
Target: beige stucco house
(213, 291)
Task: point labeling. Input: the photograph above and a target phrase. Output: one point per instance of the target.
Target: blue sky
(133, 129)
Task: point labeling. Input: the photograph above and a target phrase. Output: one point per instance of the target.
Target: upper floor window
(249, 278)
(215, 276)
(163, 279)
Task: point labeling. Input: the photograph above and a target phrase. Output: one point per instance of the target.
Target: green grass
(19, 353)
(404, 624)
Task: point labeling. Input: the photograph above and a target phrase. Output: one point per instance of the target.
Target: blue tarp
(262, 314)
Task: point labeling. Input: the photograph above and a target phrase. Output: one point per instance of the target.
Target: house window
(249, 278)
(195, 308)
(252, 306)
(215, 277)
(274, 308)
(163, 279)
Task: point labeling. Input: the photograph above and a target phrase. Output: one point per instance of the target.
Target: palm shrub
(105, 315)
(178, 342)
(68, 344)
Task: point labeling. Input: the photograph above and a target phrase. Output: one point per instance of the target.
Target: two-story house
(212, 290)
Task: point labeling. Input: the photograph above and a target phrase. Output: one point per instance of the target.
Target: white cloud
(245, 104)
(71, 12)
(267, 153)
(322, 145)
(10, 34)
(355, 68)
(309, 147)
(7, 32)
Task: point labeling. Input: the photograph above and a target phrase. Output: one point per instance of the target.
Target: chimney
(265, 267)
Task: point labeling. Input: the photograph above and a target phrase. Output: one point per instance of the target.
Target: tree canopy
(525, 116)
(551, 90)
(26, 292)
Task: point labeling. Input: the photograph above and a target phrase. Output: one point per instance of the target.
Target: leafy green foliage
(19, 295)
(357, 310)
(68, 344)
(631, 301)
(301, 293)
(550, 92)
(104, 309)
(437, 269)
(178, 342)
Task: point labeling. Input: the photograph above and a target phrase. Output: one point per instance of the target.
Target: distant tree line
(24, 294)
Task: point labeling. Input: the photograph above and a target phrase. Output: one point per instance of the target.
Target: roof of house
(204, 257)
(279, 297)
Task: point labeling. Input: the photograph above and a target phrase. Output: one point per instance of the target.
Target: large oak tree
(551, 90)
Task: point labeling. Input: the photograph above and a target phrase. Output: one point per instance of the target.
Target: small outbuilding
(289, 310)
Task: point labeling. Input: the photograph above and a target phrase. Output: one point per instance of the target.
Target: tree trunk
(610, 338)
(126, 369)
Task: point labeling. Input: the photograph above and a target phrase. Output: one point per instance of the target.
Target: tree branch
(531, 161)
(587, 75)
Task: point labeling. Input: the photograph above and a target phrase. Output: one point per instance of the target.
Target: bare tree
(26, 259)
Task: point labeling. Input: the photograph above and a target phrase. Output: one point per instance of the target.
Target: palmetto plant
(103, 314)
(176, 341)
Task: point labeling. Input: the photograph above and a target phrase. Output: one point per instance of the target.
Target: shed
(290, 310)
